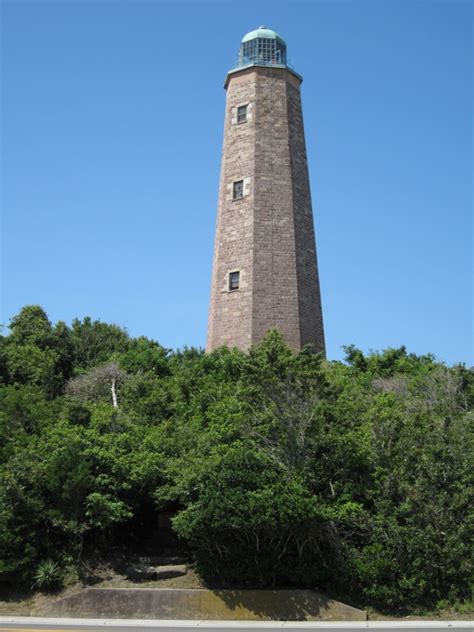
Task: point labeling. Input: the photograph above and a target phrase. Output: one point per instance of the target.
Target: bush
(48, 575)
(282, 468)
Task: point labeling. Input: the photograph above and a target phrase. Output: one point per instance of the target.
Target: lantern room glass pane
(263, 51)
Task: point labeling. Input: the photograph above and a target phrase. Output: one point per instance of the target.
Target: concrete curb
(232, 625)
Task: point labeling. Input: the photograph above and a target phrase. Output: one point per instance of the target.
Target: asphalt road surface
(27, 624)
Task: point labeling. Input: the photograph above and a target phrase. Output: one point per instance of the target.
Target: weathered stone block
(143, 572)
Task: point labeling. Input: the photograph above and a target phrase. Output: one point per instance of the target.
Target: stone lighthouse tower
(265, 272)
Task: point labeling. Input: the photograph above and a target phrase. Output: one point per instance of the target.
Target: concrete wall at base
(251, 605)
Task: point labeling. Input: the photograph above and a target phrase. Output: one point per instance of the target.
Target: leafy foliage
(48, 575)
(280, 469)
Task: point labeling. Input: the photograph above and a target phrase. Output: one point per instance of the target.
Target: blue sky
(112, 120)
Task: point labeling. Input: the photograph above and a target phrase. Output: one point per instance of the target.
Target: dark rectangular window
(234, 280)
(238, 190)
(242, 114)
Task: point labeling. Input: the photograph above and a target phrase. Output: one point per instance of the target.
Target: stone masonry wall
(275, 303)
(267, 235)
(309, 296)
(230, 314)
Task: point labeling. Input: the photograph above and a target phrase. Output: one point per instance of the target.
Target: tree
(281, 468)
(248, 522)
(95, 342)
(29, 364)
(98, 383)
(35, 353)
(283, 392)
(31, 327)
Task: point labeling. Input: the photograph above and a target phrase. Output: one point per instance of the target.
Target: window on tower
(238, 190)
(242, 114)
(234, 280)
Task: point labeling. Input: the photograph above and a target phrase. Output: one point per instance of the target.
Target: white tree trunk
(114, 394)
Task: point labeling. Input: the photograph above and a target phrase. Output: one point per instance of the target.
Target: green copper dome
(263, 32)
(262, 47)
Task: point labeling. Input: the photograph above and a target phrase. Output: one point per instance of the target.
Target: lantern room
(262, 47)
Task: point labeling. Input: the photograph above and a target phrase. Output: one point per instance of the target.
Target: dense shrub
(281, 468)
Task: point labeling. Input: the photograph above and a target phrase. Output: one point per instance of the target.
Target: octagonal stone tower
(265, 270)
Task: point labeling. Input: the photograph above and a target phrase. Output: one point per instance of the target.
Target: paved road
(27, 624)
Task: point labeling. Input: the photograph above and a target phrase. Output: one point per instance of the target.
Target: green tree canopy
(279, 468)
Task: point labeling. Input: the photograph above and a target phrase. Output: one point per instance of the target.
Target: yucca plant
(48, 575)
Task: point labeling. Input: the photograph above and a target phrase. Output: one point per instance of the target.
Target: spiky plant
(48, 575)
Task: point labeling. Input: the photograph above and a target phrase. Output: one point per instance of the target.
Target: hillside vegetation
(280, 469)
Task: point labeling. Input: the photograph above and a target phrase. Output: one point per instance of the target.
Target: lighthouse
(265, 273)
